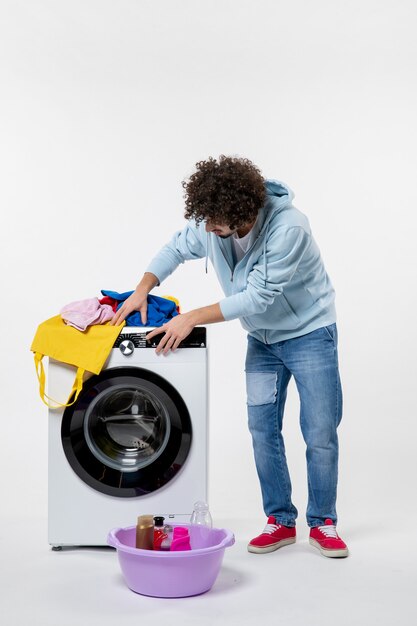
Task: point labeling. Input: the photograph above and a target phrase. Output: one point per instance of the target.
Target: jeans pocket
(331, 331)
(261, 388)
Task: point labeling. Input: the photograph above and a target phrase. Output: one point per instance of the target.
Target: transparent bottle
(201, 515)
(200, 526)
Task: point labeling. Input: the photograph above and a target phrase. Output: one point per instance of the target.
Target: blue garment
(160, 310)
(280, 288)
(313, 361)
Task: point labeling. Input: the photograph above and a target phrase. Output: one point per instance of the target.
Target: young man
(274, 281)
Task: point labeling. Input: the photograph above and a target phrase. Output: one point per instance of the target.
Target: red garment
(107, 300)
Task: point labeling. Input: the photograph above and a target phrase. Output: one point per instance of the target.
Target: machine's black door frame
(99, 474)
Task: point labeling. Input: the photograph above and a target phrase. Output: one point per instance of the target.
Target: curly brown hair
(228, 191)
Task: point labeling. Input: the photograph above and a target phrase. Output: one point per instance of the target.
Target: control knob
(127, 347)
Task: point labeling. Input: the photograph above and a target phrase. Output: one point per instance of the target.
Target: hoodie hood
(278, 196)
(278, 189)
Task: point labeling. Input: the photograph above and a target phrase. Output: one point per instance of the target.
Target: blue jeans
(312, 360)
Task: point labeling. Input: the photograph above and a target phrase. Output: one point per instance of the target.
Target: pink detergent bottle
(180, 539)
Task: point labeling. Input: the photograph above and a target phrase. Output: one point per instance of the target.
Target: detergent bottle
(160, 533)
(144, 532)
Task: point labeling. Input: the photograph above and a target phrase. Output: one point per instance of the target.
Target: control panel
(127, 342)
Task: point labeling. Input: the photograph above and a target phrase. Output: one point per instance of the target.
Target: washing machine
(135, 442)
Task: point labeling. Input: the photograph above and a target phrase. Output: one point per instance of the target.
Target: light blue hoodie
(280, 289)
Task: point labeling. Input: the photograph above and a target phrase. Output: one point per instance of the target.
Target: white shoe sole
(271, 548)
(331, 553)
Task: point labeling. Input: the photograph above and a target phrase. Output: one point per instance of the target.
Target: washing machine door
(128, 434)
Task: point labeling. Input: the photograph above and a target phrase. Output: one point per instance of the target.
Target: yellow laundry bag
(85, 350)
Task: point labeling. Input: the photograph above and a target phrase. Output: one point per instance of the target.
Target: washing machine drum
(128, 434)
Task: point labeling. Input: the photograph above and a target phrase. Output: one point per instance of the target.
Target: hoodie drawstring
(264, 253)
(207, 249)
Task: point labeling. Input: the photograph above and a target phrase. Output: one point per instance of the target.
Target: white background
(105, 108)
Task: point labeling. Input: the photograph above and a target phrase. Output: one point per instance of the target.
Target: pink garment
(84, 313)
(180, 539)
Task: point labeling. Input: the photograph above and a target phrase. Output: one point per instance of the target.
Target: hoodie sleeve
(283, 251)
(184, 246)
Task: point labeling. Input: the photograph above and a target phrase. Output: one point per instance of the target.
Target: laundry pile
(82, 337)
(84, 313)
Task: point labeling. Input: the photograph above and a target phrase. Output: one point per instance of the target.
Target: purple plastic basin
(172, 574)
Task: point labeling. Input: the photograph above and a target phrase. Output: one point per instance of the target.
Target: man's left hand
(175, 331)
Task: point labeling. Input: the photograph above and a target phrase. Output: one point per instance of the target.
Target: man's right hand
(138, 301)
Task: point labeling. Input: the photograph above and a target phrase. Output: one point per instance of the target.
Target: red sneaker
(326, 539)
(272, 537)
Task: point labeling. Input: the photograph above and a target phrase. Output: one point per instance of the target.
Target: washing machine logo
(127, 347)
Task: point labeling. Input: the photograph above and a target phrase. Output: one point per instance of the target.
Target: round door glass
(127, 428)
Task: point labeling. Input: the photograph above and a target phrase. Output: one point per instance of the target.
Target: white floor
(292, 586)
